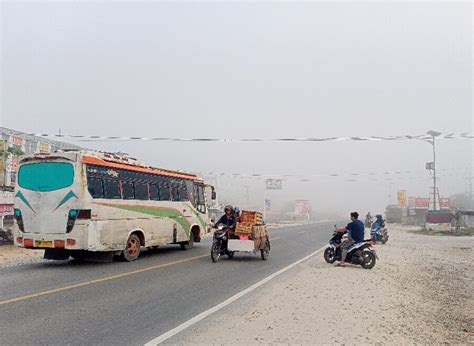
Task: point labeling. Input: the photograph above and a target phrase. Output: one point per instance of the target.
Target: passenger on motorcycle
(237, 214)
(355, 230)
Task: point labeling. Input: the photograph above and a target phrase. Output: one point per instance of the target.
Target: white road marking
(169, 334)
(301, 232)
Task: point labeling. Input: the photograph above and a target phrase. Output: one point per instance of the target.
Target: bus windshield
(46, 176)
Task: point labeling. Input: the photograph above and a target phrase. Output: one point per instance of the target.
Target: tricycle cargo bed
(240, 245)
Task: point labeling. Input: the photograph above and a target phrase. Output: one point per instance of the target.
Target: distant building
(23, 143)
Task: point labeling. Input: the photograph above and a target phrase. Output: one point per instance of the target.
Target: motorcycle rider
(228, 220)
(368, 219)
(356, 231)
(380, 222)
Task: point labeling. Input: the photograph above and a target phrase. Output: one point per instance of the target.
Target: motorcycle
(360, 253)
(219, 243)
(376, 234)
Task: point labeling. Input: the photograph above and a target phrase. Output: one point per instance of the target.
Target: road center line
(95, 281)
(169, 334)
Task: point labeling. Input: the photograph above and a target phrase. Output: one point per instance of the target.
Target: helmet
(378, 216)
(236, 210)
(228, 207)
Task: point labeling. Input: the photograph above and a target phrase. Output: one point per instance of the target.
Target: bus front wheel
(132, 249)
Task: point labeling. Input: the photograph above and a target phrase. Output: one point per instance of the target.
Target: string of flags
(372, 176)
(91, 138)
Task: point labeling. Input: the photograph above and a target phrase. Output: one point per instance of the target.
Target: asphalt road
(68, 302)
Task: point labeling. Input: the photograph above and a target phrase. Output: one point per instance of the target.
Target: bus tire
(188, 245)
(132, 248)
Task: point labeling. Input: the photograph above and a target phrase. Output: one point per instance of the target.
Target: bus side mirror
(213, 195)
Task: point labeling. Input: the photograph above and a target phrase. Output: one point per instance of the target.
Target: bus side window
(141, 191)
(112, 189)
(154, 192)
(165, 193)
(201, 200)
(127, 190)
(95, 187)
(182, 192)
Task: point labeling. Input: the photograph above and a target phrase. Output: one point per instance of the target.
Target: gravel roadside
(420, 291)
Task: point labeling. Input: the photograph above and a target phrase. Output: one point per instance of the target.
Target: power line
(96, 138)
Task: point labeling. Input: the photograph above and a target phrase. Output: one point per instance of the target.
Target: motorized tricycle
(225, 242)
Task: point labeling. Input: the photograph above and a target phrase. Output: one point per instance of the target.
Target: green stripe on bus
(172, 214)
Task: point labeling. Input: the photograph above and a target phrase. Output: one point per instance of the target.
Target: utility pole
(433, 135)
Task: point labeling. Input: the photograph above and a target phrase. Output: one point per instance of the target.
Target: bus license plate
(44, 243)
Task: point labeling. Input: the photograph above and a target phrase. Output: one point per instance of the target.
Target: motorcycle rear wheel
(368, 260)
(330, 255)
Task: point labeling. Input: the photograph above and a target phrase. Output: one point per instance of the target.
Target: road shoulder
(419, 292)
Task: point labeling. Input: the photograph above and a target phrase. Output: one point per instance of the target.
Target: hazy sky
(252, 70)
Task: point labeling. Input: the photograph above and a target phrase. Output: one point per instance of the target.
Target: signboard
(15, 140)
(302, 208)
(445, 203)
(6, 209)
(268, 204)
(402, 198)
(274, 184)
(44, 148)
(422, 203)
(430, 166)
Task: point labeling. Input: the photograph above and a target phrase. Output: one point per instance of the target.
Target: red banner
(445, 203)
(422, 202)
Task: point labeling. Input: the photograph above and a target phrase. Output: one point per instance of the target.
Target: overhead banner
(402, 199)
(274, 184)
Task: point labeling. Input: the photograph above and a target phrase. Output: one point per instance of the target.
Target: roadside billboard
(445, 203)
(402, 198)
(302, 208)
(422, 202)
(44, 148)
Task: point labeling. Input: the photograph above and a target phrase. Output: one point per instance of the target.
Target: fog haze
(253, 70)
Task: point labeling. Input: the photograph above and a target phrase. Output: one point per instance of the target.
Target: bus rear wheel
(132, 249)
(187, 245)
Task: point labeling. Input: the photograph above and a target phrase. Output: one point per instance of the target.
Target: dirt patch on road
(10, 254)
(420, 291)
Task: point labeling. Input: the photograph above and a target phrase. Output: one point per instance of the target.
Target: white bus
(97, 205)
